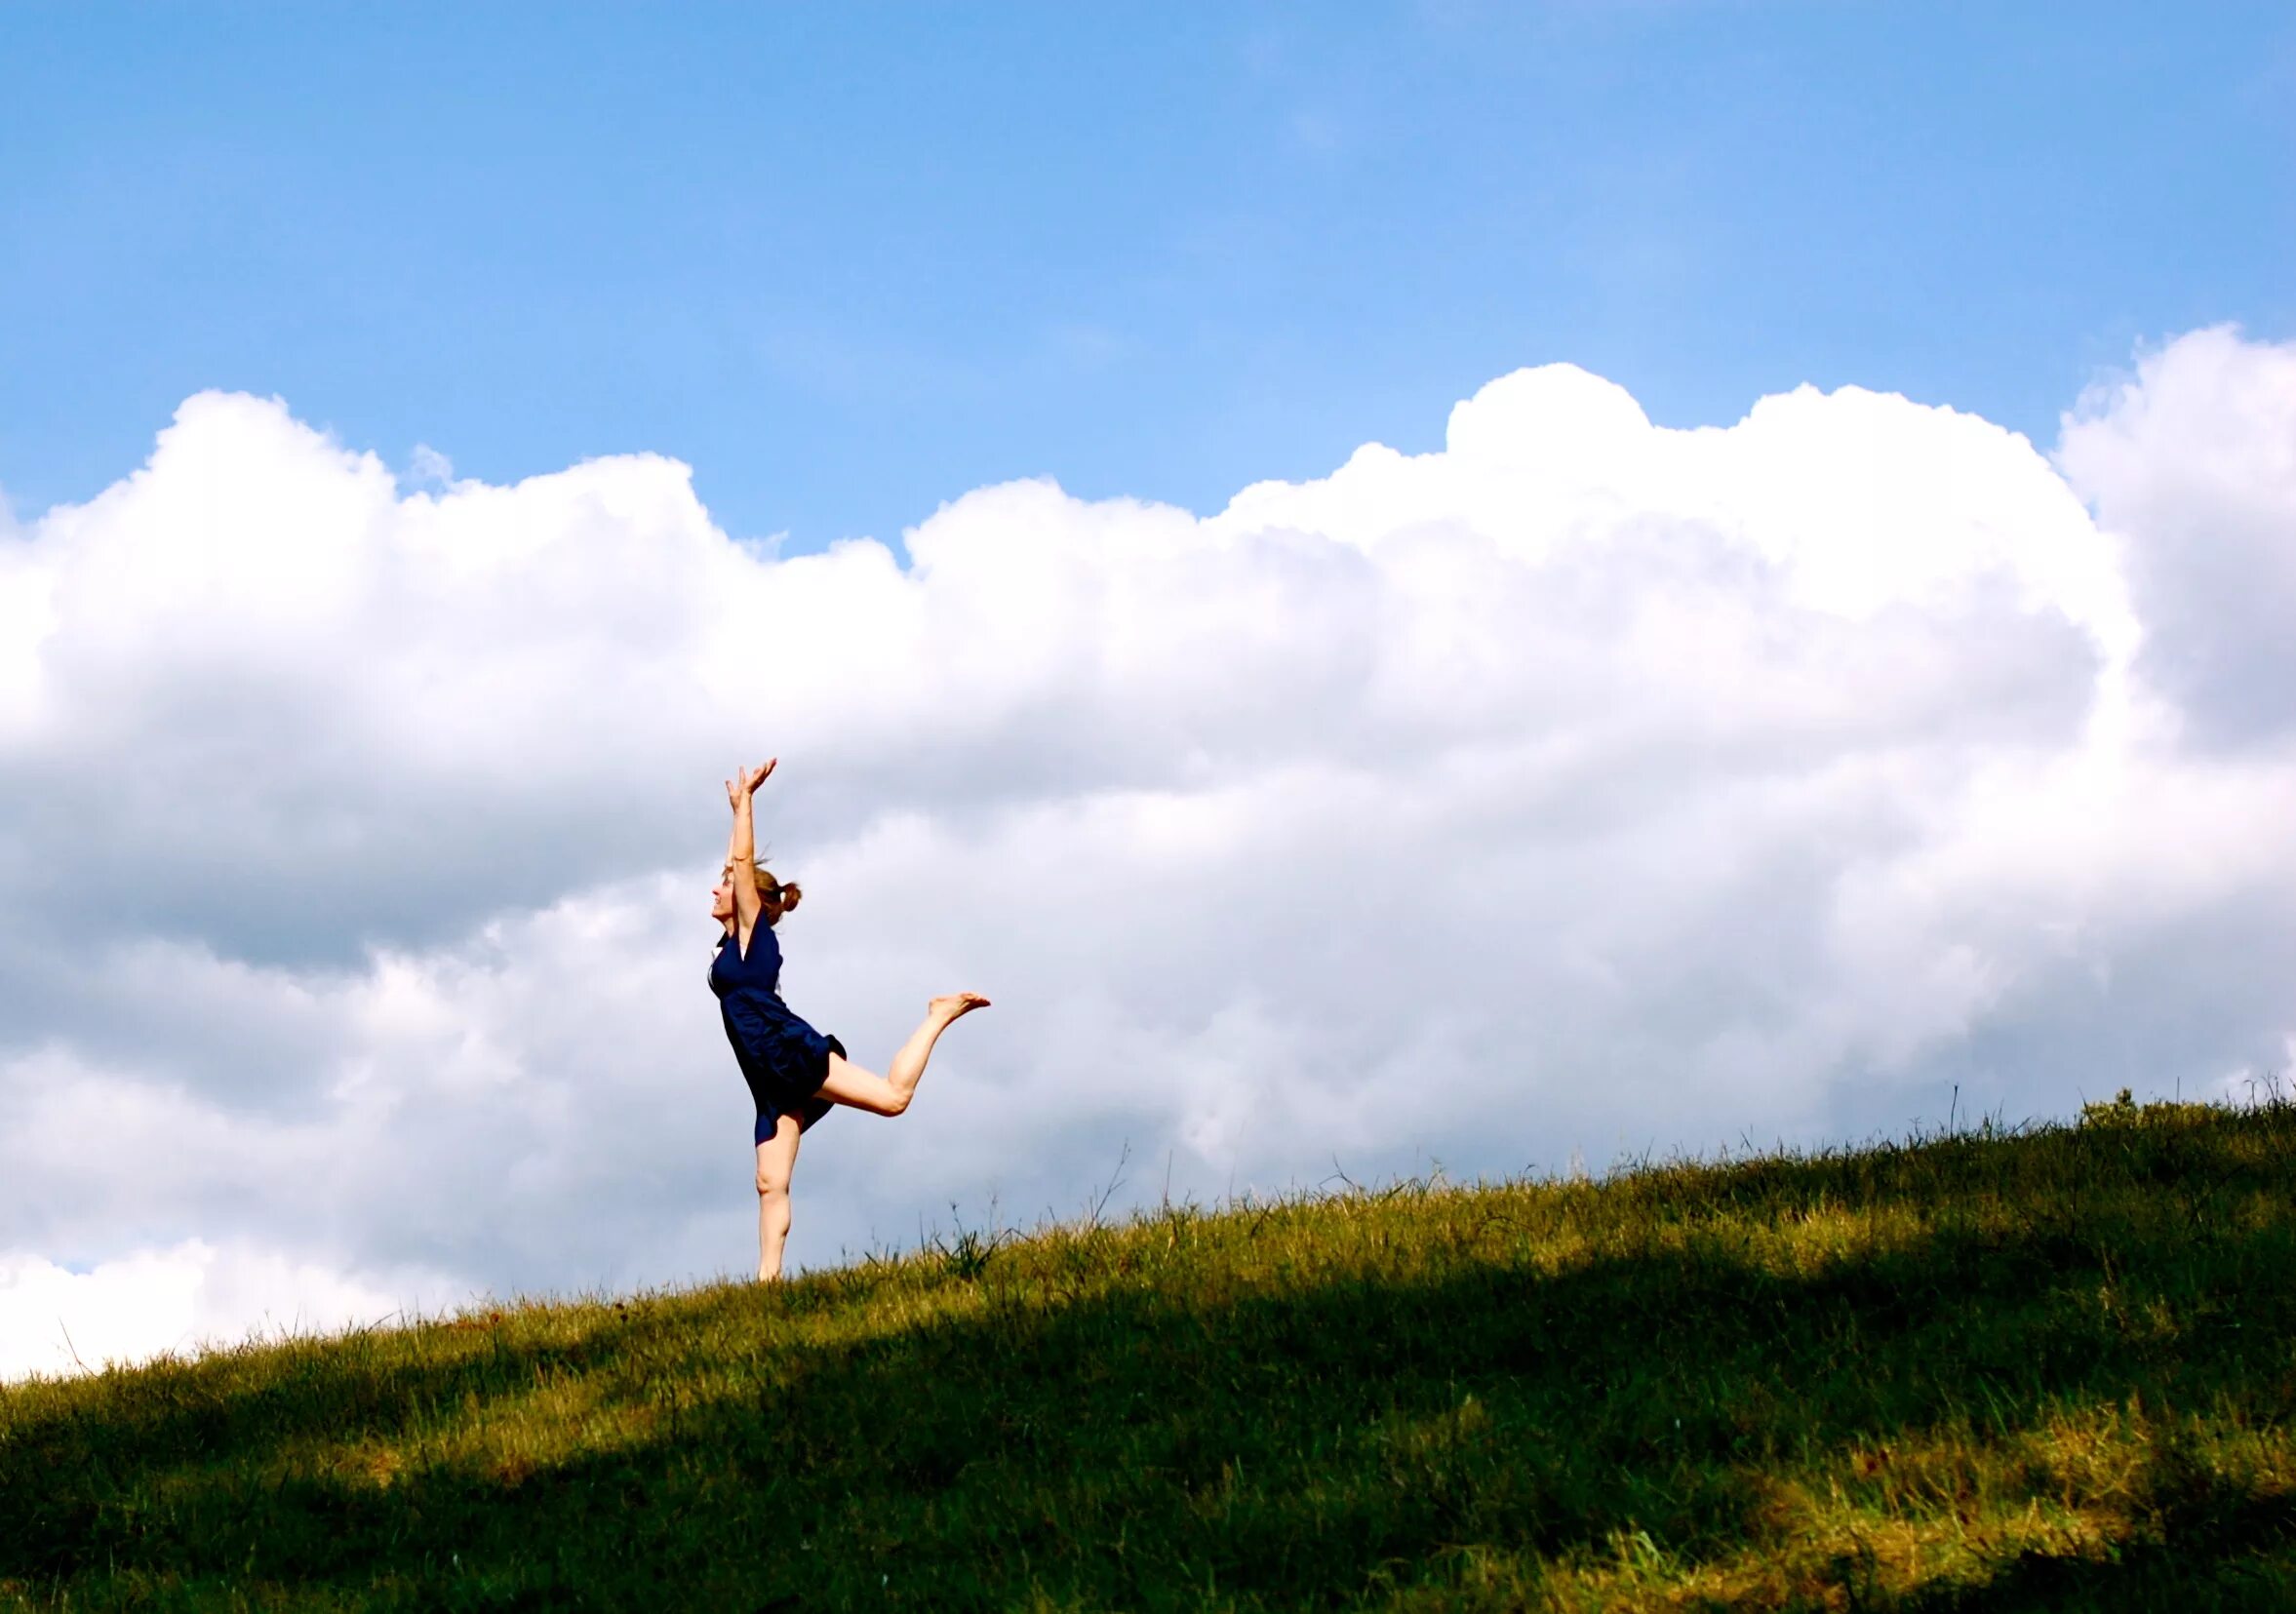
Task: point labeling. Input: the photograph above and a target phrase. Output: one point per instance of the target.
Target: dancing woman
(795, 1073)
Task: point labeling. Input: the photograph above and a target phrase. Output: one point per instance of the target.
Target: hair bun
(791, 896)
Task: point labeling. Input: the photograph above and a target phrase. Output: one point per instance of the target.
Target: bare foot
(956, 1004)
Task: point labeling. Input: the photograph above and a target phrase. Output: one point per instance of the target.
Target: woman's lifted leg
(889, 1094)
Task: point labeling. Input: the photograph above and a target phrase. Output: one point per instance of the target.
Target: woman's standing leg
(889, 1094)
(776, 1159)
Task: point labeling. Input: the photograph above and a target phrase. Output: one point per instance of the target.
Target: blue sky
(851, 261)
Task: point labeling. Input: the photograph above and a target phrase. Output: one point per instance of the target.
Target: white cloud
(1583, 785)
(2192, 461)
(56, 1321)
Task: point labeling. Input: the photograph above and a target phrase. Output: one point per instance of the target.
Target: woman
(795, 1073)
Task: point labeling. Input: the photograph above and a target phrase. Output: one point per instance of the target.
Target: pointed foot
(956, 1004)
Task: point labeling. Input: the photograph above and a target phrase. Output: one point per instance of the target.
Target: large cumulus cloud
(2194, 458)
(1583, 786)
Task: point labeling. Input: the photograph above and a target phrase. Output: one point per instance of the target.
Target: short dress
(783, 1059)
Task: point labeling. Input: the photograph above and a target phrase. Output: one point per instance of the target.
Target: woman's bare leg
(889, 1094)
(776, 1162)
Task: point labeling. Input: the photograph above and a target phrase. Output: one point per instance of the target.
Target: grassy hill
(2053, 1369)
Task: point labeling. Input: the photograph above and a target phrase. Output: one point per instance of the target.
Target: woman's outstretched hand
(744, 785)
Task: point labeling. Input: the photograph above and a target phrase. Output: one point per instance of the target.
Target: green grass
(2047, 1369)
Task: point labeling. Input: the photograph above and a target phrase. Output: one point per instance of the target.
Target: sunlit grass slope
(1980, 1372)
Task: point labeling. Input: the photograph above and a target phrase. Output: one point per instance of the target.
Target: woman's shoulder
(762, 946)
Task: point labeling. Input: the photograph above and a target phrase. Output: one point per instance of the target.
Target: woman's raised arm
(741, 850)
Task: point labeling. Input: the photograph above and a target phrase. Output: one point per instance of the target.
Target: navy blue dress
(783, 1059)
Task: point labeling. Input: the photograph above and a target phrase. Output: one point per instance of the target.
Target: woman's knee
(852, 1085)
(771, 1182)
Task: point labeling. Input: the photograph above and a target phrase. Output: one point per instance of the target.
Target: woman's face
(720, 899)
